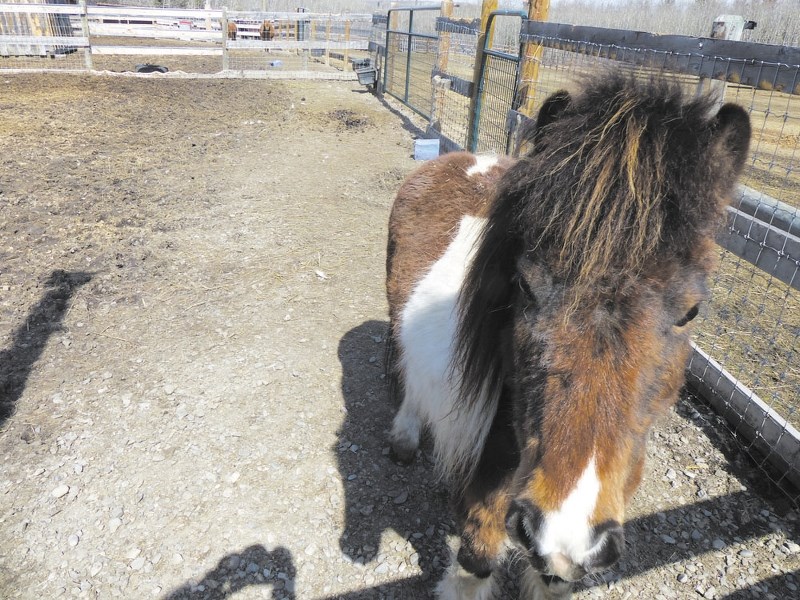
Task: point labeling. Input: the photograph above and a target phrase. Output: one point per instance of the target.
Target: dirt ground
(192, 398)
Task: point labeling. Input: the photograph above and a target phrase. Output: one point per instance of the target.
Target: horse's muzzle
(523, 524)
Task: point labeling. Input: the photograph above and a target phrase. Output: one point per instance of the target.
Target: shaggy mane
(619, 178)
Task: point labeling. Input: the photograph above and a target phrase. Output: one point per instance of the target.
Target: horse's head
(591, 268)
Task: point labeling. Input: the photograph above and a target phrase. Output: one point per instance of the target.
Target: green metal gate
(495, 98)
(411, 50)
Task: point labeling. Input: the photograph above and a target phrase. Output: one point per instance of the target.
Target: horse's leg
(483, 537)
(481, 513)
(406, 430)
(535, 586)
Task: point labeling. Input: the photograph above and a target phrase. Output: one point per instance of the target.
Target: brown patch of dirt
(192, 327)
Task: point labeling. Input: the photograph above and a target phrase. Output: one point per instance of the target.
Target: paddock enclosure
(192, 336)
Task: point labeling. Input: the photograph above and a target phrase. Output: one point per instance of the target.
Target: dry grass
(752, 328)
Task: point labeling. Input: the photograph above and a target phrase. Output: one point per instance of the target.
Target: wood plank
(123, 12)
(155, 51)
(49, 9)
(45, 40)
(293, 44)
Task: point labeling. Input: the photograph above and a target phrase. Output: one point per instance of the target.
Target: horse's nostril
(522, 523)
(609, 546)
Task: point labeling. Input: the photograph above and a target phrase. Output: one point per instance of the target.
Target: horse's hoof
(402, 454)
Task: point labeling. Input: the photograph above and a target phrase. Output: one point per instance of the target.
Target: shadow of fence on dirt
(30, 339)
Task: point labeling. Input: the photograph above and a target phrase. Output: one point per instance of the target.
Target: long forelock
(599, 198)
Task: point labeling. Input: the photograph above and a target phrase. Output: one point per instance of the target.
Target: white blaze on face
(566, 533)
(483, 164)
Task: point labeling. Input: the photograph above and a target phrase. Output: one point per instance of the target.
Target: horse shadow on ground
(30, 339)
(381, 496)
(255, 566)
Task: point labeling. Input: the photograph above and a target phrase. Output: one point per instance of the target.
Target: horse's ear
(731, 137)
(531, 138)
(552, 108)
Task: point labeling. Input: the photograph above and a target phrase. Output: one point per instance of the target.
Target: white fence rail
(30, 32)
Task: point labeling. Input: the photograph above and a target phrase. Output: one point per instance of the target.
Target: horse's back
(427, 211)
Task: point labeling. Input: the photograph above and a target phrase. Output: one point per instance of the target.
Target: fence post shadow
(30, 338)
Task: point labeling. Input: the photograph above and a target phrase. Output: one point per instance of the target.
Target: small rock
(60, 491)
(96, 568)
(137, 563)
(683, 578)
(310, 549)
(169, 389)
(745, 553)
(718, 544)
(668, 539)
(114, 524)
(73, 540)
(401, 497)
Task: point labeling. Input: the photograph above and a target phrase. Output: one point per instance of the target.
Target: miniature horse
(539, 314)
(266, 31)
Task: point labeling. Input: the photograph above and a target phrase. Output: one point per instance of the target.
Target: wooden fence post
(87, 52)
(531, 57)
(444, 39)
(484, 39)
(724, 27)
(441, 84)
(224, 23)
(328, 42)
(346, 43)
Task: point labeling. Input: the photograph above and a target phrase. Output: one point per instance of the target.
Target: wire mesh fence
(411, 54)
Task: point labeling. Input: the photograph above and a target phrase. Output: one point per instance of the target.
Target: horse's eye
(688, 316)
